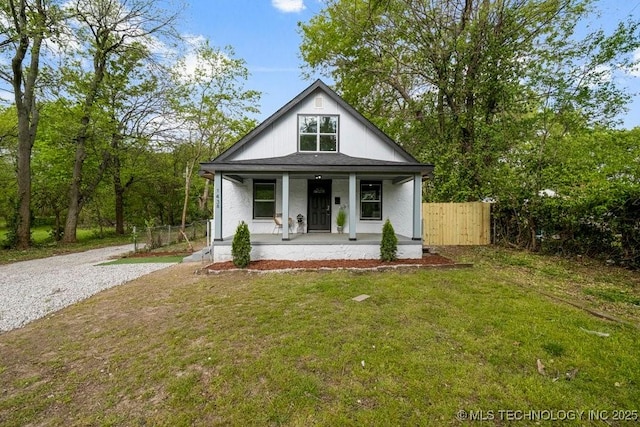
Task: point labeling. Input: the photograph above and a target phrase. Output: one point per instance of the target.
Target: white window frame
(254, 200)
(319, 134)
(378, 200)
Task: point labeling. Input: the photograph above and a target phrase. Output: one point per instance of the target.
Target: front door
(319, 209)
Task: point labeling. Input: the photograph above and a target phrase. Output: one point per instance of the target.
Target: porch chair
(277, 219)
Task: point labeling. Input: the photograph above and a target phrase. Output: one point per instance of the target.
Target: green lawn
(44, 246)
(174, 348)
(144, 260)
(91, 238)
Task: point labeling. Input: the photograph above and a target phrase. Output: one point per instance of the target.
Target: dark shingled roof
(336, 162)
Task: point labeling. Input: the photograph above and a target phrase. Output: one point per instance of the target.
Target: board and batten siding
(456, 223)
(354, 138)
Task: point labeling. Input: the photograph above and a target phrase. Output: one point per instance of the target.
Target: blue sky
(265, 34)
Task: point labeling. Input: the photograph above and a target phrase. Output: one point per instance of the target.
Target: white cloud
(289, 6)
(190, 58)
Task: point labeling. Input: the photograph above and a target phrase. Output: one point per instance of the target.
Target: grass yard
(44, 246)
(176, 349)
(144, 260)
(88, 239)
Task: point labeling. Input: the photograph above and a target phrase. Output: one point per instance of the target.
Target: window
(318, 133)
(264, 199)
(371, 200)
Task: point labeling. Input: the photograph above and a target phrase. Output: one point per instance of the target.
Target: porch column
(217, 206)
(352, 206)
(285, 205)
(417, 207)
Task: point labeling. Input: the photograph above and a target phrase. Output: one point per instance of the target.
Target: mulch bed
(263, 265)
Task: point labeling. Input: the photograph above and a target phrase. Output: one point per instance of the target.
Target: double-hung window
(317, 133)
(371, 200)
(264, 199)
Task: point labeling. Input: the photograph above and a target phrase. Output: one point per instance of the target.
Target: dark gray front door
(319, 218)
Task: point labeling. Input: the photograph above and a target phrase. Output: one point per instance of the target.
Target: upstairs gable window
(317, 133)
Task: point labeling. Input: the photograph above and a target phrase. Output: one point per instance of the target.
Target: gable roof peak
(318, 84)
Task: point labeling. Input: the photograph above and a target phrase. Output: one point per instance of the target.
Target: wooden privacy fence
(456, 223)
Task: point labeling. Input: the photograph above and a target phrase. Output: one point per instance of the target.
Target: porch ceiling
(319, 174)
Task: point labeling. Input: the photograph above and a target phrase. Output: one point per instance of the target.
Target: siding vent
(319, 101)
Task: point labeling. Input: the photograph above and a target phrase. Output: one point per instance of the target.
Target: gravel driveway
(30, 290)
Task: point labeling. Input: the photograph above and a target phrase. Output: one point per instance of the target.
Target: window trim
(371, 182)
(319, 134)
(254, 200)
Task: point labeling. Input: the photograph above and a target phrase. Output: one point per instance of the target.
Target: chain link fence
(157, 237)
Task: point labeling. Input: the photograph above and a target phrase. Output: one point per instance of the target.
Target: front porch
(316, 246)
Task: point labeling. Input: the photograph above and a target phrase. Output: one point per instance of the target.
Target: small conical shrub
(389, 243)
(241, 246)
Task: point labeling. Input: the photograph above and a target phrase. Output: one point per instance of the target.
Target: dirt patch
(427, 260)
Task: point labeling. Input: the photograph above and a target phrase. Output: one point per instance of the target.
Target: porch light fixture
(318, 176)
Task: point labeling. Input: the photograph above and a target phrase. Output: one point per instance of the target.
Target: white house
(313, 157)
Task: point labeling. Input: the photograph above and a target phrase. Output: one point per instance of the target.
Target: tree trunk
(118, 190)
(75, 192)
(185, 205)
(76, 197)
(23, 220)
(27, 112)
(203, 201)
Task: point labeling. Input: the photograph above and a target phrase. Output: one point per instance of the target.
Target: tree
(111, 28)
(241, 246)
(389, 242)
(212, 108)
(460, 82)
(589, 184)
(53, 162)
(136, 98)
(8, 147)
(25, 25)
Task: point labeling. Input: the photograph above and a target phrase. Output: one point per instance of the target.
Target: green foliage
(11, 235)
(341, 217)
(241, 246)
(507, 102)
(56, 233)
(593, 209)
(465, 85)
(389, 243)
